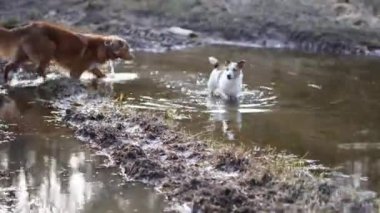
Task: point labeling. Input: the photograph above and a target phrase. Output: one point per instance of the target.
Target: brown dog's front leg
(12, 65)
(75, 74)
(97, 73)
(8, 67)
(41, 68)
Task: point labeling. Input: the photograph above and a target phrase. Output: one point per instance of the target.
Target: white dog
(226, 81)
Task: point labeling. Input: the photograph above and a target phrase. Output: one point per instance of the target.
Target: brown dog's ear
(240, 64)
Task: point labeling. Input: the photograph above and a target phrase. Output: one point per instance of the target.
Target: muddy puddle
(322, 107)
(318, 106)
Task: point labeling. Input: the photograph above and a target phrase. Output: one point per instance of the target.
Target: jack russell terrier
(226, 81)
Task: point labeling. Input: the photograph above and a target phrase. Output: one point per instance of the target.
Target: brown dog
(42, 42)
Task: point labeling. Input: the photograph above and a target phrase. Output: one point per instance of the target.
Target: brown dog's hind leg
(40, 51)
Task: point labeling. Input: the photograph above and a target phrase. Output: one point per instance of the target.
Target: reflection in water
(50, 194)
(226, 113)
(8, 109)
(67, 183)
(4, 160)
(22, 204)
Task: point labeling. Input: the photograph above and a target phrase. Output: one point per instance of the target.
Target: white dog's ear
(240, 64)
(227, 62)
(213, 61)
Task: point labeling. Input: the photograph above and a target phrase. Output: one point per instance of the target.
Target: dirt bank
(196, 175)
(332, 26)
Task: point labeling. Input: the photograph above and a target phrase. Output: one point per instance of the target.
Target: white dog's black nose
(229, 77)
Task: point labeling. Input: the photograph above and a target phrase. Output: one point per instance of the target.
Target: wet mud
(194, 174)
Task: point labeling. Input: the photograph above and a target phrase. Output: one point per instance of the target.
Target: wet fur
(40, 43)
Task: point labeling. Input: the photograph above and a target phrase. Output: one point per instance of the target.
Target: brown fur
(42, 42)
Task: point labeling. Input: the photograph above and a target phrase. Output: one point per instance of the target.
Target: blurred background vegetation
(357, 20)
(358, 13)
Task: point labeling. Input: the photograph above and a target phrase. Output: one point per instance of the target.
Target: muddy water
(325, 108)
(46, 170)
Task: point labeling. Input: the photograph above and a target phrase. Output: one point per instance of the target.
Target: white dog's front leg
(221, 94)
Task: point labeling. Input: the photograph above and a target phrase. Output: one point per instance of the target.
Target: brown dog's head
(117, 48)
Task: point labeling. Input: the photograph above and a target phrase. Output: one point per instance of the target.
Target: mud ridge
(195, 175)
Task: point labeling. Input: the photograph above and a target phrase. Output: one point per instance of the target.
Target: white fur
(218, 83)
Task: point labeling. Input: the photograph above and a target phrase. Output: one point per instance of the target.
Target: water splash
(189, 99)
(112, 67)
(24, 79)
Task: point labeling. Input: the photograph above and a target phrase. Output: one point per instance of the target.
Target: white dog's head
(232, 69)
